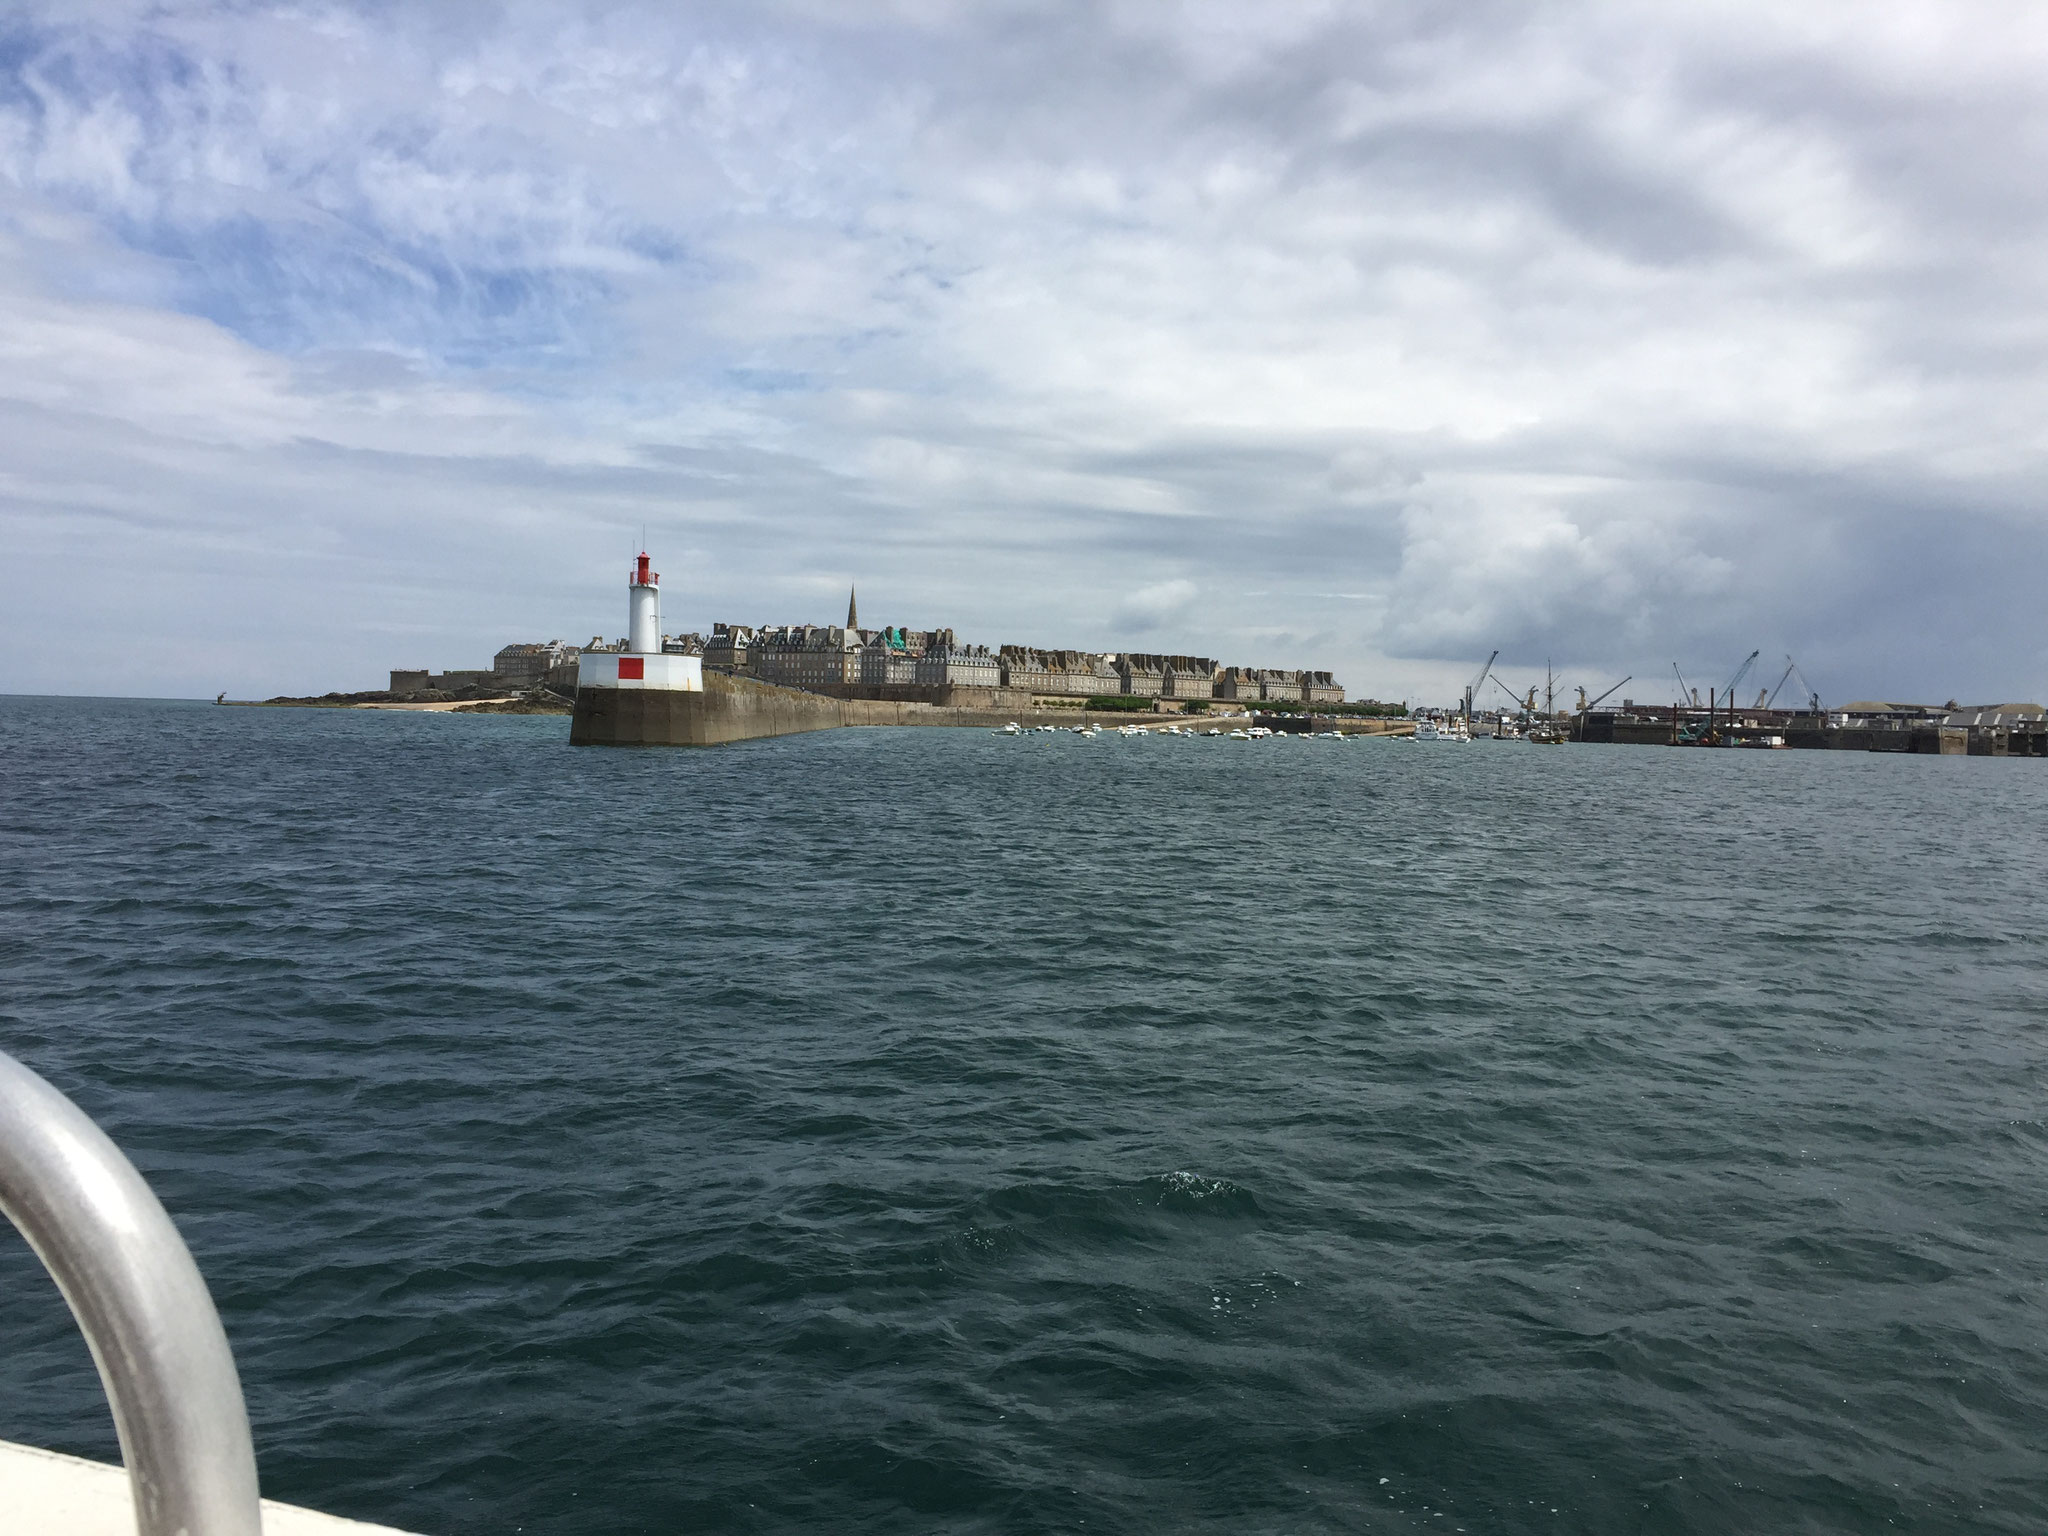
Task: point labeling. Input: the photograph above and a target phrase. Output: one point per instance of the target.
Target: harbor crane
(1741, 672)
(1791, 671)
(1685, 691)
(1595, 704)
(1526, 705)
(1478, 683)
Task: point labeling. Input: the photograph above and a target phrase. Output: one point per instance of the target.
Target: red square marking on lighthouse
(632, 667)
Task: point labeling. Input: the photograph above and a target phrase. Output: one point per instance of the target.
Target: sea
(932, 1131)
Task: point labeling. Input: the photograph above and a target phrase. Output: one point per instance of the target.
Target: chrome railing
(145, 1311)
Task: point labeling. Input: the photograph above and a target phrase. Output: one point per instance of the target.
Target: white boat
(1012, 729)
(1452, 729)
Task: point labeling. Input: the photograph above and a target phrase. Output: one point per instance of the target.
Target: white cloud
(1368, 338)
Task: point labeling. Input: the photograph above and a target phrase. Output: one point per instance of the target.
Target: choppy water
(921, 1131)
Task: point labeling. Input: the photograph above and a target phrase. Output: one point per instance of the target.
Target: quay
(727, 707)
(1984, 730)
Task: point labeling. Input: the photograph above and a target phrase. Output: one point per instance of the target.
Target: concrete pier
(725, 709)
(730, 708)
(2010, 731)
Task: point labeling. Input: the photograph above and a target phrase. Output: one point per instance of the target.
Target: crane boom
(1741, 672)
(1479, 682)
(1790, 668)
(1595, 703)
(1812, 695)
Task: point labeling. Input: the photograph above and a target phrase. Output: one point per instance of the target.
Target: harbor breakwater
(731, 709)
(2017, 737)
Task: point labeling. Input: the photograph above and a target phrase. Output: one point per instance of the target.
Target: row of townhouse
(1086, 674)
(1059, 674)
(831, 655)
(1250, 684)
(749, 647)
(1166, 677)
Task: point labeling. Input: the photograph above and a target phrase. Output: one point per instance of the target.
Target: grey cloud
(1617, 335)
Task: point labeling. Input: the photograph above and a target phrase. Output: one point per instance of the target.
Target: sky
(1370, 337)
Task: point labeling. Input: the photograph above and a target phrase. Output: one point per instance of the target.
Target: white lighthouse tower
(642, 664)
(643, 628)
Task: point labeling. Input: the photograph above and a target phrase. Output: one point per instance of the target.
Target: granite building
(1240, 684)
(959, 666)
(530, 663)
(806, 655)
(729, 647)
(1140, 677)
(1059, 674)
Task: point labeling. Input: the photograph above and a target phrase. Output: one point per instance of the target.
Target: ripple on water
(913, 1131)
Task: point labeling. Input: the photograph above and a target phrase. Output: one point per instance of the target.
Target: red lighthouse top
(641, 576)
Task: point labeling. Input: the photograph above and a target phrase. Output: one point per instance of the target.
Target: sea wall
(735, 708)
(945, 695)
(728, 709)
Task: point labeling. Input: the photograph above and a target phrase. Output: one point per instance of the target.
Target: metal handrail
(142, 1306)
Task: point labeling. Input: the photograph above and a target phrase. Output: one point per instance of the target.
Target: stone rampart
(744, 709)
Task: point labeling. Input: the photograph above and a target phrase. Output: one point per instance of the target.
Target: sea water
(931, 1131)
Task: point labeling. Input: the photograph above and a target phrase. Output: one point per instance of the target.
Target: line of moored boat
(1242, 733)
(1542, 733)
(1427, 728)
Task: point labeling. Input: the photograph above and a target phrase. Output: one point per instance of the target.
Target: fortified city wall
(733, 709)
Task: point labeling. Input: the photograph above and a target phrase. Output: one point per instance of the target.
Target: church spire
(852, 610)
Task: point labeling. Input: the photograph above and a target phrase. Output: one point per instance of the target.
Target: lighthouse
(643, 625)
(642, 666)
(643, 696)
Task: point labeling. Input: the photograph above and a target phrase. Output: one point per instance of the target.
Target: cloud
(1369, 338)
(1154, 607)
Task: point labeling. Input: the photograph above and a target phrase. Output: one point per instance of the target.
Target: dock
(1991, 730)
